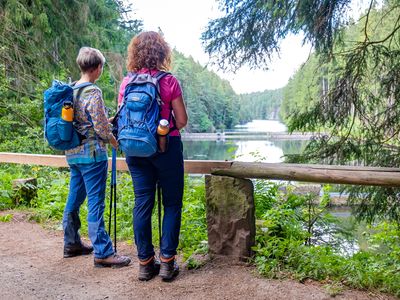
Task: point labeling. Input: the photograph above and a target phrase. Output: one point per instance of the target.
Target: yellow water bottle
(162, 131)
(67, 112)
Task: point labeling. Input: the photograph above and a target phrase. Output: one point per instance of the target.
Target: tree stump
(24, 190)
(230, 216)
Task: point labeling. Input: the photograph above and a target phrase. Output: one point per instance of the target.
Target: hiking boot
(149, 269)
(113, 261)
(169, 269)
(77, 249)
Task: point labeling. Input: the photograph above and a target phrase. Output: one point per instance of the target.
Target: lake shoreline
(245, 135)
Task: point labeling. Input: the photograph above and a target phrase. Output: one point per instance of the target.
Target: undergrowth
(295, 238)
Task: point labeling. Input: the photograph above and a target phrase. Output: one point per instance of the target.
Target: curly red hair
(148, 50)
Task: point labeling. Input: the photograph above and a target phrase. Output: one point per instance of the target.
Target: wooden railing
(191, 166)
(389, 177)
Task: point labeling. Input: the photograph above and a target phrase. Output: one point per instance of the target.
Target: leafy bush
(285, 247)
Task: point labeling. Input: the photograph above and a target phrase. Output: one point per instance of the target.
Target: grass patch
(6, 218)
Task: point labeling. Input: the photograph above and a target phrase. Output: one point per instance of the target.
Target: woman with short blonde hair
(88, 165)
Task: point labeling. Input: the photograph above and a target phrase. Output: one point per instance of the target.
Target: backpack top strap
(81, 85)
(132, 75)
(158, 75)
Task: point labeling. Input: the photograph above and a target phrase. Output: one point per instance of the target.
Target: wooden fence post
(230, 216)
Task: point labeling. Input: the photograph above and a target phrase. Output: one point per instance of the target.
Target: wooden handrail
(191, 166)
(388, 177)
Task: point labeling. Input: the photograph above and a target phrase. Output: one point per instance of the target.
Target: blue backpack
(60, 134)
(139, 115)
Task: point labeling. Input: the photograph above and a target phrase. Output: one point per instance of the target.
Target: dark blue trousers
(167, 168)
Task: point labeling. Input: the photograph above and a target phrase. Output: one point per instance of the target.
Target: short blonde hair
(89, 59)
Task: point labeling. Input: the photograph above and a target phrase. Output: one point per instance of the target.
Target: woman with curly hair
(149, 53)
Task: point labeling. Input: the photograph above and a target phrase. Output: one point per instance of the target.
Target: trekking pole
(159, 210)
(114, 190)
(111, 202)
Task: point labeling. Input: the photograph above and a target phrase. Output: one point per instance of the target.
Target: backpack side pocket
(65, 130)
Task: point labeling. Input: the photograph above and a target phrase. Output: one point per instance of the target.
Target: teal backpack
(61, 134)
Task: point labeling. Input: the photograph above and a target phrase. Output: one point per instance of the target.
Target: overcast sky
(182, 22)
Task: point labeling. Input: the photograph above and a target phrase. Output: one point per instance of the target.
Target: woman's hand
(114, 143)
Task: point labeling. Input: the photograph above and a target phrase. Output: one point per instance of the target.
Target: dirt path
(32, 267)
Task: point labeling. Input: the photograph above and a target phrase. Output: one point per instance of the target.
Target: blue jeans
(167, 168)
(87, 179)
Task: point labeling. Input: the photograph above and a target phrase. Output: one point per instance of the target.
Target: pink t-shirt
(170, 90)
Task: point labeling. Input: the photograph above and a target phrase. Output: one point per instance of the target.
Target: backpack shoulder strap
(79, 90)
(160, 75)
(81, 87)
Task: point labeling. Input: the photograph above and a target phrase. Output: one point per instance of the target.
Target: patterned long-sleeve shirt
(91, 121)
